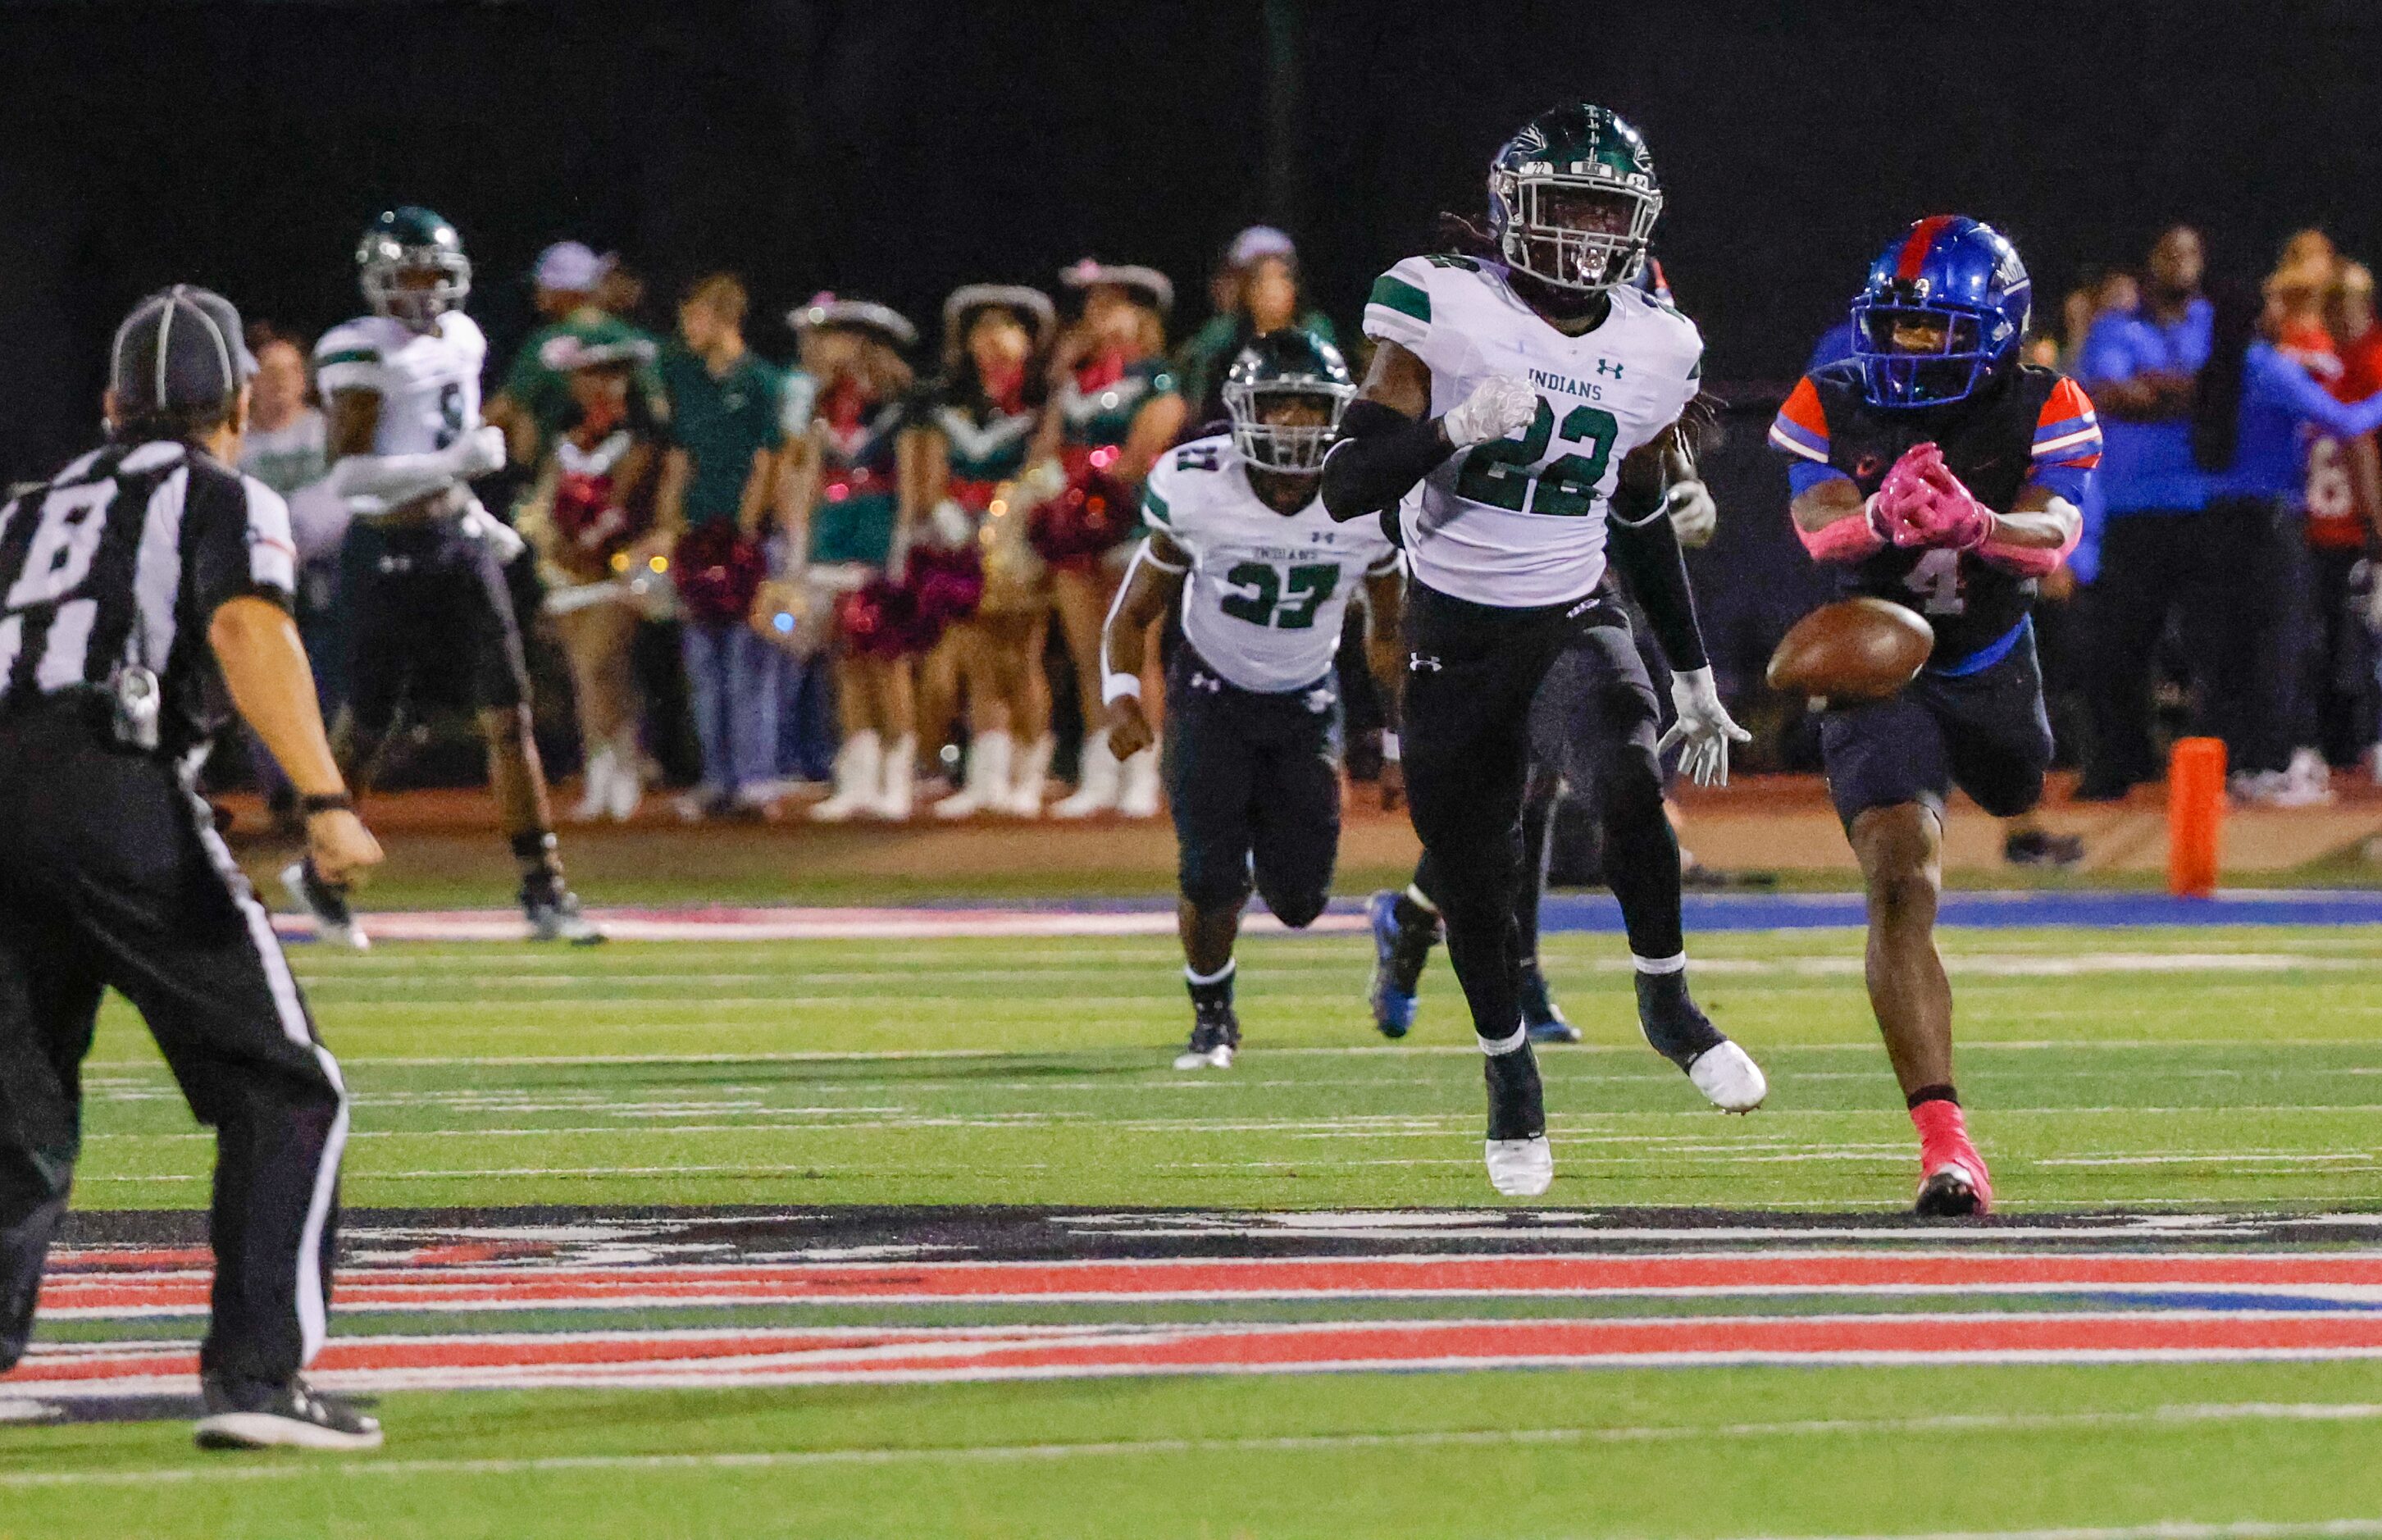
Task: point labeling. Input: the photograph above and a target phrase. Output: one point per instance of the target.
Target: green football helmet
(1572, 198)
(412, 265)
(1286, 364)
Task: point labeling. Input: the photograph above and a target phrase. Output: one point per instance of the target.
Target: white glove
(1693, 513)
(1704, 726)
(1498, 405)
(479, 451)
(503, 541)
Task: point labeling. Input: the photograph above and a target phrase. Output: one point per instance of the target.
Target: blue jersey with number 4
(2033, 427)
(1265, 592)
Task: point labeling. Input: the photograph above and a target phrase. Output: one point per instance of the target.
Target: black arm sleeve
(1646, 550)
(1381, 453)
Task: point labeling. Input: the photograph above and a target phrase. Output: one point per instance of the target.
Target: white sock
(1216, 978)
(1677, 963)
(1497, 1048)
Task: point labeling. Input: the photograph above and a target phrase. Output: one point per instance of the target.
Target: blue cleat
(1399, 953)
(1542, 1017)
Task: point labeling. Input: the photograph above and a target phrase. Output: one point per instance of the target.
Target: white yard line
(2167, 1417)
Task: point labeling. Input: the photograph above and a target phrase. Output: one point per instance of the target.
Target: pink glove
(1954, 519)
(1906, 496)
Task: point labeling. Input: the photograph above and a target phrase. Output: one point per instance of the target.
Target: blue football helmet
(1943, 313)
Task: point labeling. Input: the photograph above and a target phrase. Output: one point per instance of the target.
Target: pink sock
(1941, 1126)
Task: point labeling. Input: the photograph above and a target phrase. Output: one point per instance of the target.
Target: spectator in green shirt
(536, 403)
(723, 475)
(1257, 291)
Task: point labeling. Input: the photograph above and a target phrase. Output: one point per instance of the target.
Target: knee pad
(1296, 910)
(1205, 887)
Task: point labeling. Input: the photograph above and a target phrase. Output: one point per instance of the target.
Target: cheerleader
(973, 566)
(1115, 408)
(849, 522)
(593, 501)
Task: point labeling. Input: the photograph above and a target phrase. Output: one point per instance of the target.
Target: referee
(145, 592)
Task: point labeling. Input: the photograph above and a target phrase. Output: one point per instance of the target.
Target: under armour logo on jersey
(1206, 682)
(1606, 367)
(1421, 663)
(1319, 700)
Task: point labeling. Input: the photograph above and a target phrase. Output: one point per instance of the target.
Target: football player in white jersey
(1252, 756)
(1529, 400)
(431, 617)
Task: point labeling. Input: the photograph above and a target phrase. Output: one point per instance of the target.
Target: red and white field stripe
(860, 1355)
(103, 1284)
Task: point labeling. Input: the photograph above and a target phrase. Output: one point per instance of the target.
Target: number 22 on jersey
(1499, 472)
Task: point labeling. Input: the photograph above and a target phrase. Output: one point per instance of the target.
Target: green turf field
(2188, 1067)
(2146, 1070)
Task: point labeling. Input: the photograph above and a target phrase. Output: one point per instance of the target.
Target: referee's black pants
(112, 875)
(1472, 670)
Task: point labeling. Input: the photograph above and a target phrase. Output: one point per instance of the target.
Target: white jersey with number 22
(1519, 522)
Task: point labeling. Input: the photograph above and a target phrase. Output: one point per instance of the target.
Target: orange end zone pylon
(2196, 814)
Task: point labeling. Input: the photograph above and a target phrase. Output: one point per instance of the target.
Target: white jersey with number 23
(1264, 598)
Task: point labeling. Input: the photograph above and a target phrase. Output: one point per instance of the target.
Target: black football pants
(1472, 672)
(112, 876)
(1593, 725)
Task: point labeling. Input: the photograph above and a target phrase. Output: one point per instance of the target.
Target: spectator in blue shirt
(2254, 402)
(2156, 560)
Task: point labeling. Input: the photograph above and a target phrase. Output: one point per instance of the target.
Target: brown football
(1854, 650)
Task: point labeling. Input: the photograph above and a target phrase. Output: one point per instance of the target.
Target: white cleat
(1521, 1167)
(1729, 1078)
(335, 923)
(1218, 1058)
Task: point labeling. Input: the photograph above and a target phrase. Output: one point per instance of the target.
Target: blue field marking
(2223, 1299)
(2118, 909)
(2100, 911)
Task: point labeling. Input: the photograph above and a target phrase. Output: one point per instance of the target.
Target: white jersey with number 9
(428, 382)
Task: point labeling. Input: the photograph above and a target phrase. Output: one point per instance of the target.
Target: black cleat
(2039, 847)
(1948, 1195)
(1215, 1037)
(335, 922)
(260, 1414)
(553, 914)
(1404, 934)
(1542, 1017)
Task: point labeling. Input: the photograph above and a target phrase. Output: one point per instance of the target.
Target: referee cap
(180, 350)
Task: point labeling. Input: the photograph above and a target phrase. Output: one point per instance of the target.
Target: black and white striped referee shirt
(121, 560)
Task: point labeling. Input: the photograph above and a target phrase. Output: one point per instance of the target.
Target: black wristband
(330, 802)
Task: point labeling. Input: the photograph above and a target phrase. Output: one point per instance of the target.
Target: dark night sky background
(900, 147)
